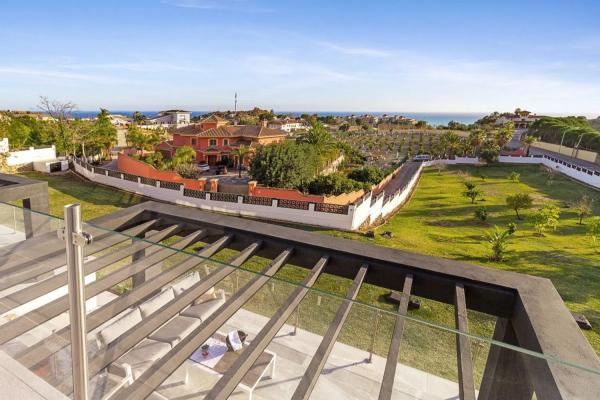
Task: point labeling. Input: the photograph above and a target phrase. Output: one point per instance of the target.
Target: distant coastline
(431, 118)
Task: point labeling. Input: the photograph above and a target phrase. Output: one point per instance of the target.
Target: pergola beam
(387, 383)
(229, 381)
(50, 310)
(38, 289)
(60, 339)
(311, 375)
(159, 372)
(28, 266)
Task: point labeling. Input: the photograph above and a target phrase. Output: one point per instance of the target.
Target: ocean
(431, 118)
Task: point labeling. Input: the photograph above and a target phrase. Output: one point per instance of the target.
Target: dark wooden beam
(47, 285)
(466, 385)
(229, 381)
(311, 375)
(28, 321)
(387, 383)
(28, 266)
(158, 372)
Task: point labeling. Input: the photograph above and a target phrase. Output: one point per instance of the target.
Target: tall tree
(518, 202)
(138, 118)
(61, 113)
(584, 207)
(184, 155)
(241, 152)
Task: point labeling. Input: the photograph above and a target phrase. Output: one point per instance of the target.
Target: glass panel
(121, 278)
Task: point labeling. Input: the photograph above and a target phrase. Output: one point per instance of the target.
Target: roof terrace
(163, 281)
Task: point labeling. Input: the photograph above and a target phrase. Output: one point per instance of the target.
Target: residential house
(120, 120)
(521, 119)
(170, 119)
(288, 124)
(217, 143)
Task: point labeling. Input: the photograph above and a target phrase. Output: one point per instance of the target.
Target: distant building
(217, 143)
(170, 119)
(288, 124)
(521, 119)
(120, 120)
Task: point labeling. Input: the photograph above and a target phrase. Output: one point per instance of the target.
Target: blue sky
(444, 56)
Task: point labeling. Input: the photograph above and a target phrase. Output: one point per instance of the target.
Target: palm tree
(476, 139)
(529, 140)
(183, 155)
(240, 153)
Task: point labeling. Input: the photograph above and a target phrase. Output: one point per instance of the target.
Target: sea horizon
(432, 118)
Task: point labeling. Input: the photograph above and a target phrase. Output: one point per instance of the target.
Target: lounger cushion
(150, 306)
(120, 326)
(176, 329)
(208, 295)
(204, 310)
(142, 356)
(185, 283)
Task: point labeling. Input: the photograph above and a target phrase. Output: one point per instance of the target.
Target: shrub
(511, 227)
(370, 175)
(514, 176)
(472, 192)
(189, 171)
(594, 230)
(498, 241)
(334, 184)
(545, 218)
(490, 153)
(481, 214)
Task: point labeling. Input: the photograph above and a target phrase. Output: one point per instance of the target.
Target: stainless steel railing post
(75, 240)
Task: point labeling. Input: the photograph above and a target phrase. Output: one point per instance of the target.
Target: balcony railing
(162, 280)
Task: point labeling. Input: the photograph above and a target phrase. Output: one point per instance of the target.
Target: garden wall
(31, 155)
(132, 166)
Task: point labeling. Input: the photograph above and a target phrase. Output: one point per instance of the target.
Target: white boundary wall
(363, 213)
(28, 156)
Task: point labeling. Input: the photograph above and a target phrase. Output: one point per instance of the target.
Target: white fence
(349, 217)
(31, 155)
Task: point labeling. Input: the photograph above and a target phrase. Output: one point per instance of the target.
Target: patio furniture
(135, 362)
(219, 362)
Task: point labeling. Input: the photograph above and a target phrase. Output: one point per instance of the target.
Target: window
(194, 141)
(212, 142)
(225, 142)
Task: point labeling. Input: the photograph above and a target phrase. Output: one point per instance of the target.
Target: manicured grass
(437, 221)
(95, 200)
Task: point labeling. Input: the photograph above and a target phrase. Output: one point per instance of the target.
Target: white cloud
(355, 51)
(150, 66)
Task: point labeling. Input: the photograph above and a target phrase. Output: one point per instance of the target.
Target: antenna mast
(235, 103)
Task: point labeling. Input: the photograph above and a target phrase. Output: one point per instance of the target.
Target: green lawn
(437, 221)
(95, 200)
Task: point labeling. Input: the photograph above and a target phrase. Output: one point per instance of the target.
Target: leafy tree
(61, 114)
(469, 185)
(103, 134)
(138, 118)
(183, 155)
(498, 241)
(370, 175)
(421, 124)
(504, 134)
(528, 140)
(481, 214)
(285, 165)
(142, 139)
(514, 176)
(594, 230)
(189, 171)
(490, 153)
(584, 207)
(156, 159)
(545, 218)
(241, 152)
(334, 184)
(519, 201)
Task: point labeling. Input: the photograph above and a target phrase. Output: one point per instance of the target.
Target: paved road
(571, 160)
(408, 170)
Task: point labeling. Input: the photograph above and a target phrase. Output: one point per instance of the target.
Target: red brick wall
(135, 167)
